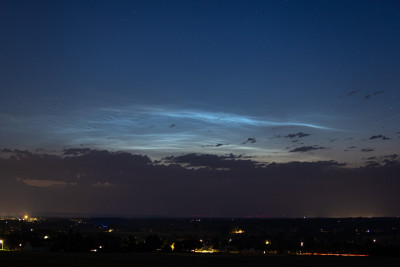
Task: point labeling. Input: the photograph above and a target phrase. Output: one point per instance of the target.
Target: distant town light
(206, 250)
(333, 254)
(1, 242)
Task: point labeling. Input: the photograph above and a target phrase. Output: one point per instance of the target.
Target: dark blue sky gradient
(270, 81)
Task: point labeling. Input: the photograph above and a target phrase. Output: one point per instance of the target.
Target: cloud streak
(299, 135)
(44, 183)
(379, 137)
(231, 119)
(307, 148)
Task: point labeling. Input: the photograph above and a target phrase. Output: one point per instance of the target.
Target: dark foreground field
(76, 260)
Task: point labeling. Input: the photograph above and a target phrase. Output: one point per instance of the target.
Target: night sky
(200, 108)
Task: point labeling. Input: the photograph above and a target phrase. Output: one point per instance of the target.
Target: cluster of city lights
(238, 231)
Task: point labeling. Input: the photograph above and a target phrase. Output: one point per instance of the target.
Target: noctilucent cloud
(271, 82)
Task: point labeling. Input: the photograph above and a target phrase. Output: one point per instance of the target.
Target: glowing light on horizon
(238, 231)
(333, 254)
(205, 250)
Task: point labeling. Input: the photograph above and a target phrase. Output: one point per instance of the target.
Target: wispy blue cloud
(231, 119)
(148, 130)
